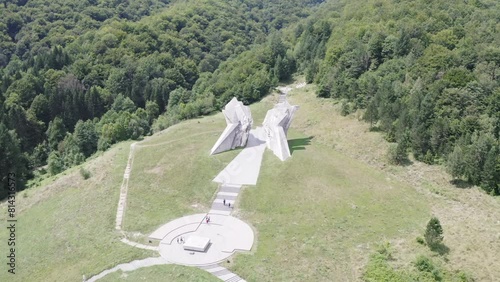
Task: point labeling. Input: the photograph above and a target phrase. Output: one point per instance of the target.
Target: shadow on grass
(462, 184)
(299, 144)
(405, 162)
(440, 248)
(375, 128)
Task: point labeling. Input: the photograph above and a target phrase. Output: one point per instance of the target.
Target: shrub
(424, 264)
(433, 233)
(85, 173)
(420, 240)
(397, 154)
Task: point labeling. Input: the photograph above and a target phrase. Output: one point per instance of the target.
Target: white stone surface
(239, 122)
(196, 243)
(227, 235)
(245, 168)
(187, 223)
(276, 125)
(131, 266)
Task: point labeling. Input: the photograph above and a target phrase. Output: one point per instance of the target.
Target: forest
(79, 76)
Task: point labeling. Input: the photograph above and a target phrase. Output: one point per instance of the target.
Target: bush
(345, 108)
(56, 163)
(424, 264)
(420, 240)
(433, 233)
(85, 173)
(385, 250)
(397, 154)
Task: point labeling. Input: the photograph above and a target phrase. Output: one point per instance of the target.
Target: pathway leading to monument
(222, 273)
(130, 266)
(245, 168)
(227, 234)
(223, 233)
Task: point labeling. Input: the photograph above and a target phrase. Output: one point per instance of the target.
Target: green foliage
(417, 72)
(123, 104)
(420, 240)
(424, 264)
(55, 163)
(379, 269)
(55, 132)
(397, 153)
(85, 173)
(40, 154)
(433, 233)
(127, 63)
(13, 161)
(86, 137)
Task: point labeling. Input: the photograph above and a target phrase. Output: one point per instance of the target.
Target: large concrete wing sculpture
(239, 122)
(276, 126)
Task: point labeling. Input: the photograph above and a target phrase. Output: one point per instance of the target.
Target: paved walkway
(138, 245)
(226, 233)
(222, 273)
(229, 193)
(131, 266)
(245, 168)
(123, 189)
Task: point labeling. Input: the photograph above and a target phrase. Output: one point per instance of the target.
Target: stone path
(123, 189)
(245, 167)
(131, 266)
(228, 234)
(138, 245)
(222, 273)
(226, 192)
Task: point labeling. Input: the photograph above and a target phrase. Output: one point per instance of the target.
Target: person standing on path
(224, 202)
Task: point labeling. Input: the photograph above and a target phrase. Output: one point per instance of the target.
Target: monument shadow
(299, 144)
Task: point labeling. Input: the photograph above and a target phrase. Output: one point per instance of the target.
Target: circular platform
(227, 235)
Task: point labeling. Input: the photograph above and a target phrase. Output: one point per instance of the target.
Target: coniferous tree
(433, 233)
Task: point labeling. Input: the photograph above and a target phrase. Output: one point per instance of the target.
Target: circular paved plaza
(227, 234)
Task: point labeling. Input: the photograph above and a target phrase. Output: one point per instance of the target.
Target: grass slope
(65, 228)
(162, 273)
(317, 216)
(312, 211)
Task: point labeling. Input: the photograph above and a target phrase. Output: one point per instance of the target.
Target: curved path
(130, 266)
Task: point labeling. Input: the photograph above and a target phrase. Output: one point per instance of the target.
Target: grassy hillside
(65, 228)
(318, 216)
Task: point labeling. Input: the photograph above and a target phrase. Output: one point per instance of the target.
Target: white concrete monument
(239, 122)
(196, 243)
(276, 126)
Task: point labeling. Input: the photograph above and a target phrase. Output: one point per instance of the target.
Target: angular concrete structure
(196, 243)
(239, 122)
(276, 126)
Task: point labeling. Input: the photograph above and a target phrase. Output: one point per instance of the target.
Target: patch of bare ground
(470, 218)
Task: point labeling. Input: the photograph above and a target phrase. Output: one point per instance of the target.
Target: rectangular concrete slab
(196, 243)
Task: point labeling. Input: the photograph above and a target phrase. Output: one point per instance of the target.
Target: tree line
(92, 73)
(426, 73)
(423, 72)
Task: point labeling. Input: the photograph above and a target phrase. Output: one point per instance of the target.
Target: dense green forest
(78, 76)
(426, 73)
